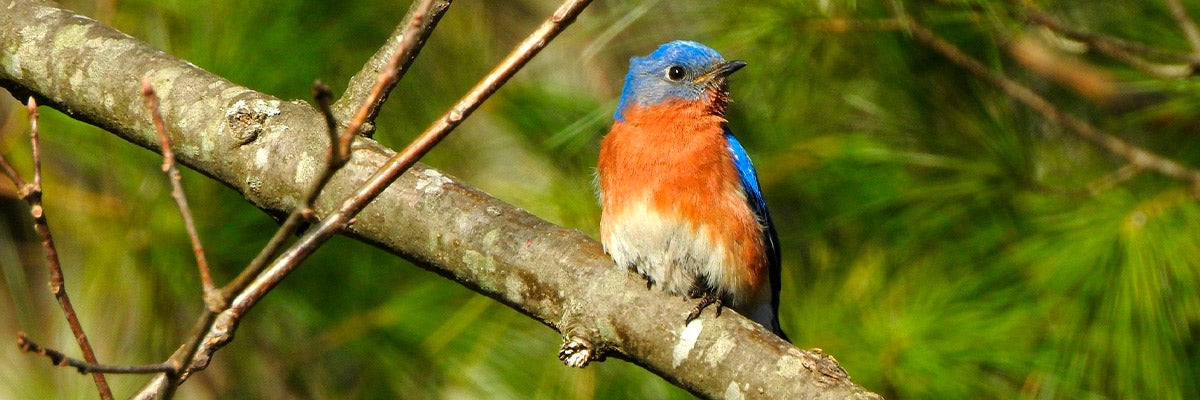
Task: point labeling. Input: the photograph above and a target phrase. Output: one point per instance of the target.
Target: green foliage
(940, 239)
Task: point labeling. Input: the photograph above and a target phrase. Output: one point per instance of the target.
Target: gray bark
(269, 149)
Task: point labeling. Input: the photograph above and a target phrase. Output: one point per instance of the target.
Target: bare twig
(369, 88)
(322, 95)
(226, 322)
(151, 98)
(404, 159)
(1179, 12)
(1135, 155)
(58, 358)
(32, 193)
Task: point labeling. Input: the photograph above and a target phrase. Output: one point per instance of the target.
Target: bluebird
(681, 201)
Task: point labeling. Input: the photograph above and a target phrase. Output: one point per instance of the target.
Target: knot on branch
(577, 352)
(220, 334)
(829, 371)
(244, 120)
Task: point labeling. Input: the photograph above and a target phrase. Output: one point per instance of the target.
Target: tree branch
(555, 275)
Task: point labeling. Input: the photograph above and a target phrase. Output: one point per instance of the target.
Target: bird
(681, 203)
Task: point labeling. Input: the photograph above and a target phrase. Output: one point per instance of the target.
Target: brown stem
(14, 176)
(397, 66)
(151, 98)
(33, 195)
(58, 358)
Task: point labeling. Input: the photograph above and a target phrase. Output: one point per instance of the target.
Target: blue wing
(749, 178)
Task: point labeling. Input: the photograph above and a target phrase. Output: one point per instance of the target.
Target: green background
(940, 239)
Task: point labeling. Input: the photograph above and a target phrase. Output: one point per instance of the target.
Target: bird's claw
(706, 300)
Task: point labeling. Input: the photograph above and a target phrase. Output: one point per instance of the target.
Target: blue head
(679, 70)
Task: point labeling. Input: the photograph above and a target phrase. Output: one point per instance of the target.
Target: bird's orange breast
(672, 160)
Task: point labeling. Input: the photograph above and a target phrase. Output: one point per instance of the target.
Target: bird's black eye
(675, 73)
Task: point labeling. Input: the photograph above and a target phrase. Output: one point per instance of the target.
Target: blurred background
(940, 239)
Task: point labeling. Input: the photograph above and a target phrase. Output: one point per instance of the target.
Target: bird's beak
(722, 70)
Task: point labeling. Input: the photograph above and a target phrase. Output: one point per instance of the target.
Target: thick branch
(269, 150)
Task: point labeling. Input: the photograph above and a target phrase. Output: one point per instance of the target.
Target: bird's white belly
(667, 250)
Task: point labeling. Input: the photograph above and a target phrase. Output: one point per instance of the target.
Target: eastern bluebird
(681, 201)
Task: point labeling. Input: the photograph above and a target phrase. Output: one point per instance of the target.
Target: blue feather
(749, 177)
(747, 174)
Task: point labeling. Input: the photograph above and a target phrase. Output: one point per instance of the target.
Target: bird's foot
(706, 299)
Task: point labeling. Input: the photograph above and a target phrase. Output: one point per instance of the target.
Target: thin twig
(364, 90)
(1179, 12)
(226, 322)
(33, 195)
(1135, 155)
(323, 96)
(151, 98)
(58, 358)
